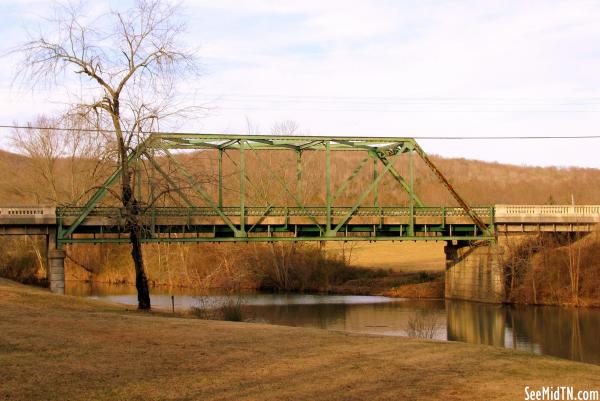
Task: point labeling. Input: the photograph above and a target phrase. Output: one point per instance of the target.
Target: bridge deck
(285, 223)
(107, 224)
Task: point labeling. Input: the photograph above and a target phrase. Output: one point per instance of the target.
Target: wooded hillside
(22, 181)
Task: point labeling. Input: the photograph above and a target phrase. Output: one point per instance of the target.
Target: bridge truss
(221, 199)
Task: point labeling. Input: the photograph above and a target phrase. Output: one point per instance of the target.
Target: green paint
(242, 232)
(328, 186)
(193, 229)
(220, 178)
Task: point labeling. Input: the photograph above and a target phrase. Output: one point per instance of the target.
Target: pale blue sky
(401, 68)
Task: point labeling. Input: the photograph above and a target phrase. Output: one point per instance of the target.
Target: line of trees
(554, 269)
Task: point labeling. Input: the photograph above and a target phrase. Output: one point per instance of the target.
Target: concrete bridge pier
(56, 270)
(474, 272)
(56, 265)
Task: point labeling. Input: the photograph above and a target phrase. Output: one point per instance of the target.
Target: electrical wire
(479, 138)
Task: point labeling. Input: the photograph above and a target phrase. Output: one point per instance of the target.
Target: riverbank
(415, 285)
(60, 347)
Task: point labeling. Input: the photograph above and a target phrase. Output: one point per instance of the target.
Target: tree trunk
(141, 281)
(135, 235)
(132, 209)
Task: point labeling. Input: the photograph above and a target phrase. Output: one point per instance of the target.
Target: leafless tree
(130, 60)
(44, 148)
(286, 128)
(51, 150)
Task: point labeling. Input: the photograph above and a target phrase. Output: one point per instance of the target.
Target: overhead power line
(399, 103)
(450, 137)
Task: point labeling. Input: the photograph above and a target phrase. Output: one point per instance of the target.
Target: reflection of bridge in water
(570, 333)
(203, 214)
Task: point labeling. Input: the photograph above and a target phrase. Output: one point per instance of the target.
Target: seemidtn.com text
(562, 393)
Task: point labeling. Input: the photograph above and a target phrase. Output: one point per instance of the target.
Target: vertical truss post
(376, 190)
(283, 183)
(401, 180)
(411, 194)
(361, 198)
(197, 187)
(328, 186)
(220, 177)
(242, 188)
(298, 173)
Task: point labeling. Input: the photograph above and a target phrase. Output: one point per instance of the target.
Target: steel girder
(383, 151)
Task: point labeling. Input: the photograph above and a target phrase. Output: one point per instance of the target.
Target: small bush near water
(422, 324)
(231, 309)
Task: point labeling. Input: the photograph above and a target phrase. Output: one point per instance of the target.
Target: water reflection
(569, 333)
(386, 318)
(563, 332)
(475, 323)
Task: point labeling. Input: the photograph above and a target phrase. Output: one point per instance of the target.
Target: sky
(378, 68)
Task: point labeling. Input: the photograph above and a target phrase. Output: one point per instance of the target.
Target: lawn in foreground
(59, 347)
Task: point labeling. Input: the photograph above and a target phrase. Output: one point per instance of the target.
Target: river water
(569, 333)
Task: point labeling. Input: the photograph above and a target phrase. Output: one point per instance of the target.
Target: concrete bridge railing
(27, 212)
(507, 211)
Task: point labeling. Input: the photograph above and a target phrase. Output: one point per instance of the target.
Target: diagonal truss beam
(364, 195)
(101, 192)
(170, 181)
(406, 186)
(200, 190)
(257, 191)
(349, 179)
(478, 222)
(261, 218)
(283, 184)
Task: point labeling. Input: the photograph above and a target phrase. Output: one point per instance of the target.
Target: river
(569, 333)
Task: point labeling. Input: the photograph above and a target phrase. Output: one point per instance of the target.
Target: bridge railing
(27, 212)
(501, 212)
(282, 211)
(508, 211)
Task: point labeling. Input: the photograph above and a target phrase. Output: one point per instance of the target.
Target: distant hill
(479, 182)
(487, 183)
(16, 179)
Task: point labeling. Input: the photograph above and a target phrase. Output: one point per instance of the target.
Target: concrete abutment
(475, 272)
(56, 270)
(55, 264)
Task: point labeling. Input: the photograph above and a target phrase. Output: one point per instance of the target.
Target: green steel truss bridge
(224, 188)
(216, 201)
(201, 212)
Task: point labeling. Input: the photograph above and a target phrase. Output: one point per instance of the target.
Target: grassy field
(397, 256)
(58, 347)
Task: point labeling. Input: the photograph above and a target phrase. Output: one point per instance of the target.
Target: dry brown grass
(430, 289)
(397, 256)
(57, 347)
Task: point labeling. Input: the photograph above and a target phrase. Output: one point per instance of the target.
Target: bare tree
(51, 152)
(130, 59)
(44, 148)
(285, 128)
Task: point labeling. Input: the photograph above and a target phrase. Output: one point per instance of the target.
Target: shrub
(230, 309)
(422, 324)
